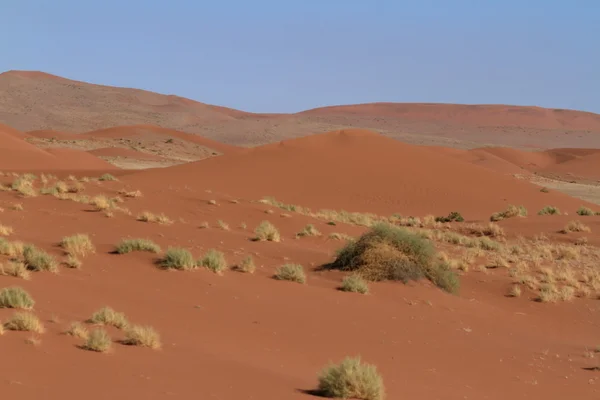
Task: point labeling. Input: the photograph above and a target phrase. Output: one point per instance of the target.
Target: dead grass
(101, 203)
(549, 210)
(213, 260)
(132, 194)
(223, 225)
(177, 258)
(247, 265)
(515, 291)
(110, 317)
(144, 336)
(79, 245)
(510, 212)
(355, 284)
(73, 262)
(309, 230)
(107, 177)
(575, 226)
(129, 245)
(291, 272)
(584, 211)
(24, 321)
(5, 230)
(147, 216)
(16, 269)
(78, 330)
(266, 231)
(38, 260)
(98, 340)
(351, 379)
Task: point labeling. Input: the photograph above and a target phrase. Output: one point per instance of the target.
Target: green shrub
(388, 252)
(355, 284)
(351, 379)
(129, 245)
(15, 297)
(213, 260)
(584, 211)
(291, 272)
(178, 258)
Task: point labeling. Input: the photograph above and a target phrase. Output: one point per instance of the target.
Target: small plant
(5, 230)
(354, 283)
(309, 230)
(107, 177)
(129, 245)
(39, 260)
(144, 336)
(214, 260)
(575, 226)
(178, 258)
(78, 245)
(98, 340)
(101, 203)
(247, 265)
(351, 379)
(78, 330)
(73, 262)
(16, 269)
(266, 231)
(515, 291)
(291, 272)
(108, 316)
(511, 211)
(584, 211)
(454, 216)
(15, 297)
(549, 210)
(24, 321)
(223, 225)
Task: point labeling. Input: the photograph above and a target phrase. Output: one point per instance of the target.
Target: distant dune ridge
(31, 101)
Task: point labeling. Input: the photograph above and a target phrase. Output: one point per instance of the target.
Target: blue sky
(291, 55)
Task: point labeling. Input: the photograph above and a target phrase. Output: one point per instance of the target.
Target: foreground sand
(248, 336)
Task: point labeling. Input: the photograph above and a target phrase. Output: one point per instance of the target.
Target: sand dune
(360, 171)
(121, 152)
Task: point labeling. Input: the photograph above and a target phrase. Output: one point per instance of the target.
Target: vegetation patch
(108, 316)
(107, 177)
(247, 265)
(38, 260)
(79, 245)
(549, 210)
(16, 269)
(454, 216)
(584, 211)
(351, 379)
(214, 260)
(510, 212)
(177, 258)
(575, 226)
(98, 340)
(355, 284)
(291, 272)
(24, 321)
(309, 230)
(144, 336)
(266, 231)
(389, 252)
(15, 297)
(5, 230)
(129, 245)
(78, 330)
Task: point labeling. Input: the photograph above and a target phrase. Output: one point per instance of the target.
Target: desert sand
(522, 325)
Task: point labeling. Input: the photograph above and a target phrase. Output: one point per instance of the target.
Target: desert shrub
(291, 272)
(108, 316)
(452, 217)
(223, 225)
(351, 379)
(178, 258)
(107, 177)
(5, 230)
(309, 230)
(98, 340)
(16, 269)
(389, 252)
(38, 260)
(247, 265)
(266, 231)
(144, 336)
(78, 245)
(24, 321)
(213, 260)
(584, 211)
(73, 262)
(101, 203)
(78, 330)
(488, 244)
(129, 245)
(549, 210)
(510, 212)
(575, 226)
(15, 297)
(354, 283)
(24, 186)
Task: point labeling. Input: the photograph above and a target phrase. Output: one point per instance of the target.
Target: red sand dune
(479, 115)
(360, 171)
(587, 167)
(122, 152)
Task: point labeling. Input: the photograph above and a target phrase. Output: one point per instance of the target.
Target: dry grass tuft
(73, 262)
(24, 321)
(107, 177)
(291, 272)
(351, 379)
(266, 231)
(147, 216)
(15, 297)
(79, 245)
(129, 245)
(223, 225)
(133, 194)
(549, 210)
(214, 260)
(247, 265)
(101, 203)
(339, 236)
(78, 330)
(144, 336)
(515, 291)
(16, 269)
(177, 258)
(575, 226)
(355, 284)
(5, 230)
(309, 230)
(110, 317)
(39, 260)
(584, 211)
(510, 212)
(98, 340)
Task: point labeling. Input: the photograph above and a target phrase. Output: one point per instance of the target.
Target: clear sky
(291, 55)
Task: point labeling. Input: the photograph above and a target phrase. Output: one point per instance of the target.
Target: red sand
(359, 171)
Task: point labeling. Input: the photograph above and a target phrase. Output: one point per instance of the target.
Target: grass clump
(309, 230)
(351, 379)
(355, 284)
(78, 245)
(15, 297)
(108, 316)
(291, 272)
(178, 258)
(454, 216)
(144, 336)
(247, 265)
(213, 260)
(388, 252)
(129, 245)
(549, 210)
(107, 177)
(510, 212)
(39, 260)
(78, 330)
(24, 321)
(5, 230)
(575, 226)
(101, 203)
(584, 211)
(98, 340)
(16, 269)
(266, 231)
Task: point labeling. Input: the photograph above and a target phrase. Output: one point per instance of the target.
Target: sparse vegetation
(223, 225)
(79, 245)
(213, 260)
(178, 258)
(144, 336)
(309, 230)
(110, 317)
(351, 379)
(107, 177)
(544, 190)
(354, 283)
(39, 260)
(454, 216)
(15, 297)
(510, 212)
(101, 203)
(24, 321)
(575, 226)
(5, 230)
(16, 269)
(73, 262)
(515, 291)
(78, 330)
(584, 211)
(98, 340)
(267, 232)
(147, 216)
(549, 210)
(247, 265)
(129, 245)
(388, 252)
(291, 272)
